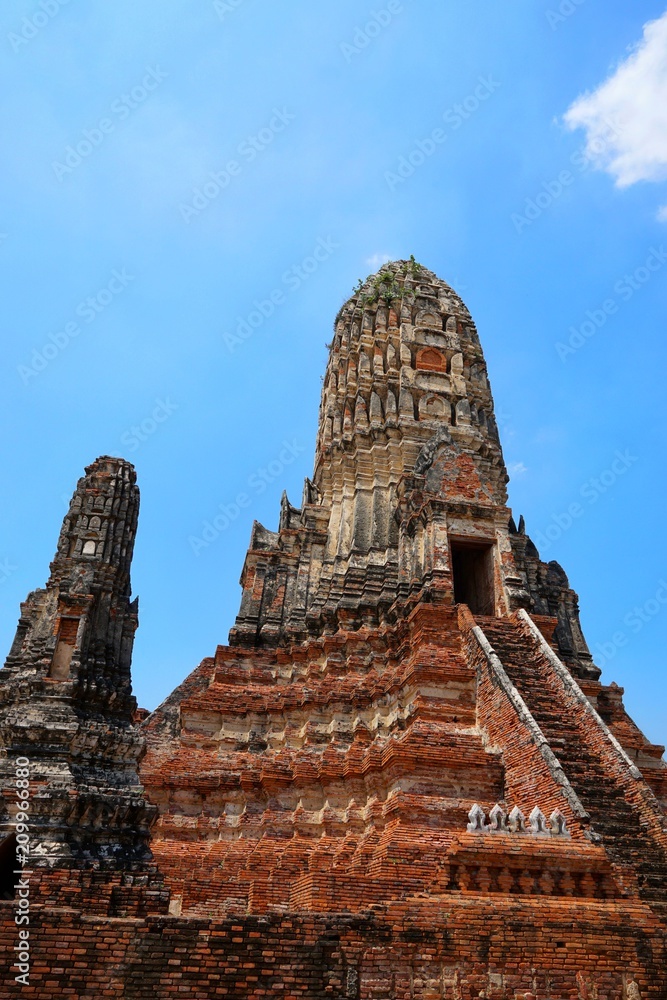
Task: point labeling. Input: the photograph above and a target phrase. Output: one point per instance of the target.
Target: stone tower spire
(405, 363)
(65, 691)
(408, 497)
(406, 380)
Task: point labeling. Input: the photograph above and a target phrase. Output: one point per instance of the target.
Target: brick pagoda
(402, 777)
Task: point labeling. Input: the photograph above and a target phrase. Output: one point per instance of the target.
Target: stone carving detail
(558, 824)
(477, 820)
(515, 823)
(427, 454)
(538, 823)
(498, 819)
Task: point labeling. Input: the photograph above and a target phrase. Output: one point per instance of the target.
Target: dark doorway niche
(472, 573)
(7, 866)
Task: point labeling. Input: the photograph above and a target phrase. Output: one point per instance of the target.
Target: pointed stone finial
(477, 818)
(284, 510)
(516, 821)
(538, 822)
(310, 492)
(558, 824)
(498, 819)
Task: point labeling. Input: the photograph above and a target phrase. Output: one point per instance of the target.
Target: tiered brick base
(451, 947)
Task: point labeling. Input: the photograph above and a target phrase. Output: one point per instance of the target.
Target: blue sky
(169, 171)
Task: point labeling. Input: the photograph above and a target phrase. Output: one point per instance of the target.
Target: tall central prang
(408, 498)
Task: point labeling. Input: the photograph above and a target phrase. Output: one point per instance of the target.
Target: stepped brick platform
(402, 778)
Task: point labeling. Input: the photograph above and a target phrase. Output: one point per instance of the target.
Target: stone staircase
(629, 844)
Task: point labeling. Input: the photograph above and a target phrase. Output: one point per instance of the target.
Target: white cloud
(625, 118)
(516, 469)
(662, 213)
(377, 260)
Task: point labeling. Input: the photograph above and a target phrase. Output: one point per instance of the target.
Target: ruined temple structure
(402, 779)
(66, 705)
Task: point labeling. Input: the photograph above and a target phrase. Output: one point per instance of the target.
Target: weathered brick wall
(131, 893)
(448, 947)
